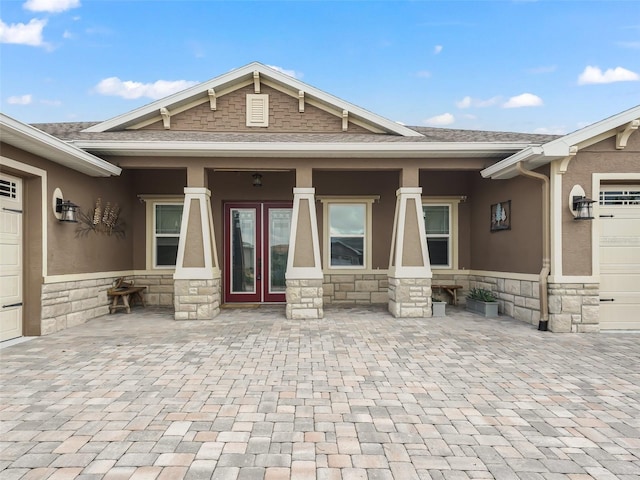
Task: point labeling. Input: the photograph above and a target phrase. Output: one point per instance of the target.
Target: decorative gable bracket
(256, 82)
(345, 120)
(212, 98)
(301, 101)
(623, 135)
(166, 118)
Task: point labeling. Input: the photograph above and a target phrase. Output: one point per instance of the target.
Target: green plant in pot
(482, 301)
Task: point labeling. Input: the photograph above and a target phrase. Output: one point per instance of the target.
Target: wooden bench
(452, 290)
(124, 295)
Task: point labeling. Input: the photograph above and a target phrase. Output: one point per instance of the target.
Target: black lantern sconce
(64, 210)
(581, 207)
(257, 180)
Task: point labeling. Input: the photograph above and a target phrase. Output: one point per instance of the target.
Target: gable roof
(243, 76)
(534, 156)
(34, 140)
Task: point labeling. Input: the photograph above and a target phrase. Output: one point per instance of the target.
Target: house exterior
(254, 187)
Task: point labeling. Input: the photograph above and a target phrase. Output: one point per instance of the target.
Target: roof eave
(272, 149)
(36, 141)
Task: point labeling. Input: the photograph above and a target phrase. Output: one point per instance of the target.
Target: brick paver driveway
(357, 395)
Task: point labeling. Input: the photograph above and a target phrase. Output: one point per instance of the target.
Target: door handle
(259, 272)
(19, 304)
(607, 299)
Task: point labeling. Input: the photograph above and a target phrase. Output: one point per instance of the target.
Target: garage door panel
(10, 257)
(619, 257)
(619, 283)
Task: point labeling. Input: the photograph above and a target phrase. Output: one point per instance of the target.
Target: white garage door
(10, 257)
(620, 257)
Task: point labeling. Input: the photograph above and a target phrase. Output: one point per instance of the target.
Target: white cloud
(440, 120)
(67, 34)
(468, 102)
(52, 6)
(523, 100)
(424, 74)
(593, 75)
(291, 73)
(469, 116)
(23, 34)
(20, 100)
(113, 86)
(437, 49)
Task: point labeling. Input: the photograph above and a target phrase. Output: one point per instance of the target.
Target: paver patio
(359, 394)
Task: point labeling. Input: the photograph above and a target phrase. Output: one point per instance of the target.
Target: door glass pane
(279, 229)
(243, 250)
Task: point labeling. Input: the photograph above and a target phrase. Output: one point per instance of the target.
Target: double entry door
(256, 248)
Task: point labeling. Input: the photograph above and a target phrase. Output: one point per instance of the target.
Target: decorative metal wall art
(501, 216)
(105, 220)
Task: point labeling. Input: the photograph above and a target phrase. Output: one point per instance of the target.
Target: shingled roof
(73, 131)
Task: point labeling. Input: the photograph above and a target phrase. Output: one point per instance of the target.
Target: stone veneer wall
(410, 297)
(304, 299)
(197, 299)
(574, 307)
(519, 299)
(362, 288)
(67, 304)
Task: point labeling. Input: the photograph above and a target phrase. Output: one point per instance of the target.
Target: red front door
(256, 248)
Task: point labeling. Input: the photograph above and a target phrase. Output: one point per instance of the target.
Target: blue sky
(529, 66)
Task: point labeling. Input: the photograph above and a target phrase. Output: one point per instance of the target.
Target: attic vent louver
(257, 110)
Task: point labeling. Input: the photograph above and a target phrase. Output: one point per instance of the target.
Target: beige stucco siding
(601, 157)
(230, 116)
(518, 250)
(67, 251)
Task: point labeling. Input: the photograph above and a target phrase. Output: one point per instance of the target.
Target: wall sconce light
(64, 210)
(581, 206)
(257, 180)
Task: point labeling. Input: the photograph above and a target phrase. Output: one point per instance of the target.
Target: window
(166, 233)
(347, 227)
(347, 232)
(437, 223)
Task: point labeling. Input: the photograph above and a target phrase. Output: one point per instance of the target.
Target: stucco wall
(517, 250)
(230, 116)
(601, 157)
(71, 253)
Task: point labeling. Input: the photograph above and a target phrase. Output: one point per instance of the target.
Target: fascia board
(54, 149)
(238, 149)
(138, 115)
(536, 156)
(507, 168)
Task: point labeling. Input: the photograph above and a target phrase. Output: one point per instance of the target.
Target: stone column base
(197, 299)
(410, 297)
(304, 299)
(574, 307)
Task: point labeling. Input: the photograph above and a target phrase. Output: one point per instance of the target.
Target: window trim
(367, 201)
(150, 220)
(452, 203)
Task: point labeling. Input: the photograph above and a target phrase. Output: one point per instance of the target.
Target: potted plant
(438, 307)
(482, 301)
